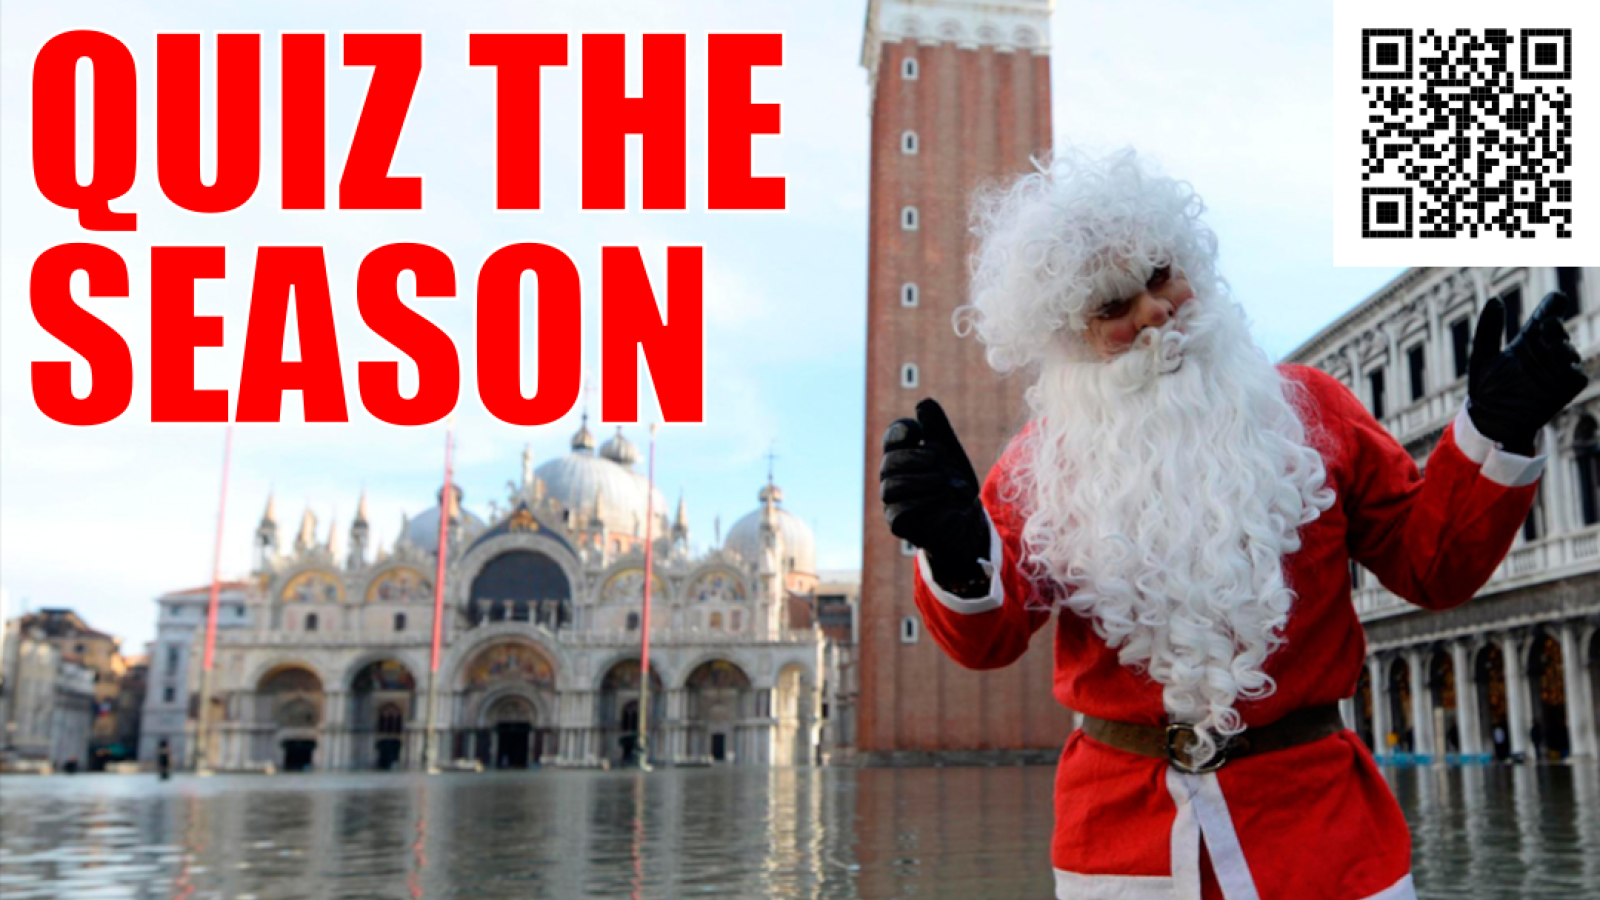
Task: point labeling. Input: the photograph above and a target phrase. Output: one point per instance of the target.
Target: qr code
(1468, 131)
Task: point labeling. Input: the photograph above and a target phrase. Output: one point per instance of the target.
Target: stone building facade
(323, 660)
(961, 97)
(1516, 671)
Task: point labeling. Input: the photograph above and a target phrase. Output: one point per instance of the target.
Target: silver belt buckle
(1178, 756)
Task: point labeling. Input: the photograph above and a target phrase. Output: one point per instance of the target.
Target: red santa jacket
(1314, 821)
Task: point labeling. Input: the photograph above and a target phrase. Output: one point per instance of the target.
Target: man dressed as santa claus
(1192, 510)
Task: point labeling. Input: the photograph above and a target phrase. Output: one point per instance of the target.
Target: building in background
(78, 644)
(47, 703)
(172, 677)
(838, 606)
(960, 97)
(1515, 671)
(322, 658)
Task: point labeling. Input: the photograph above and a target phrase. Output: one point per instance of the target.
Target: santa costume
(1186, 513)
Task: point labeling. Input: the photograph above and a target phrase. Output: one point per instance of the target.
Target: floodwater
(1478, 832)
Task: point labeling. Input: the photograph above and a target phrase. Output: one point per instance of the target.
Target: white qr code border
(1460, 134)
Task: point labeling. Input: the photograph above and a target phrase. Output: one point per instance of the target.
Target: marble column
(1468, 730)
(1380, 706)
(1422, 742)
(1580, 715)
(1517, 700)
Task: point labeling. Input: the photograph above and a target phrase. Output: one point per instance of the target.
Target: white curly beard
(1163, 489)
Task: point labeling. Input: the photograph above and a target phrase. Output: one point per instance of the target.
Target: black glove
(930, 498)
(1512, 393)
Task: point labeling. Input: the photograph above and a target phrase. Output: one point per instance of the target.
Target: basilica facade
(323, 654)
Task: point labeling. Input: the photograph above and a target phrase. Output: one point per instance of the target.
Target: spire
(583, 440)
(308, 532)
(716, 529)
(267, 535)
(527, 465)
(681, 519)
(335, 545)
(359, 531)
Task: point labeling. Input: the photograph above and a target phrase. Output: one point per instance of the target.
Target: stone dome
(799, 544)
(422, 529)
(580, 478)
(620, 450)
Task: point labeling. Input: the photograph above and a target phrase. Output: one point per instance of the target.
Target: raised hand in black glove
(930, 498)
(1512, 393)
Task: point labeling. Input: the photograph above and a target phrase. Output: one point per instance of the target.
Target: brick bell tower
(960, 98)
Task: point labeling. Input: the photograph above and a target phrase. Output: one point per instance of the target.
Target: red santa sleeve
(991, 631)
(1432, 539)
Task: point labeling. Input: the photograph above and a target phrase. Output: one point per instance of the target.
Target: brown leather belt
(1173, 743)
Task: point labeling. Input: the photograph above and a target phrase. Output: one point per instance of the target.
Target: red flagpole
(649, 572)
(445, 498)
(211, 606)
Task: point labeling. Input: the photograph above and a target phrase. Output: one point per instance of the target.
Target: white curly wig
(1079, 229)
(1162, 487)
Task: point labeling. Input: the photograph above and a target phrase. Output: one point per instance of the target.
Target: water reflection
(786, 833)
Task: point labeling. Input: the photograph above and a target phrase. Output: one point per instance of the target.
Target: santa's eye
(1159, 277)
(1113, 310)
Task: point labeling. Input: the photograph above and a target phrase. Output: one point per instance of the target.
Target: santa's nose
(1152, 311)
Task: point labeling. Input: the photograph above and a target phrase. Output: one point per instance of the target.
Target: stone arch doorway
(1490, 671)
(514, 742)
(1400, 729)
(505, 688)
(382, 702)
(288, 718)
(1442, 688)
(719, 702)
(618, 712)
(1593, 666)
(1548, 737)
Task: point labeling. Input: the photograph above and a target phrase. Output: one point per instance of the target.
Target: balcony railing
(1545, 560)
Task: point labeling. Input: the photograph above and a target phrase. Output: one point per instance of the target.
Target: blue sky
(1236, 97)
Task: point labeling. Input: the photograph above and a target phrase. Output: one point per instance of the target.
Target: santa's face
(1114, 323)
(1167, 476)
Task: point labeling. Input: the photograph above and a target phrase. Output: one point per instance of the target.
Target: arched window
(1586, 451)
(908, 143)
(716, 621)
(908, 219)
(908, 375)
(633, 621)
(311, 621)
(909, 294)
(910, 630)
(908, 69)
(737, 620)
(399, 621)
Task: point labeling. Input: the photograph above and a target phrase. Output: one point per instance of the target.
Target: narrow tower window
(908, 375)
(909, 630)
(908, 143)
(908, 218)
(908, 69)
(908, 294)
